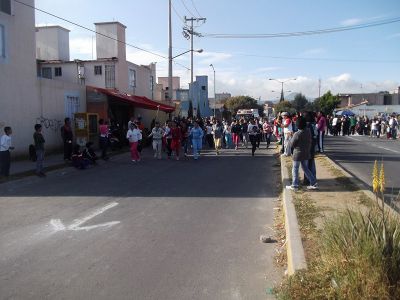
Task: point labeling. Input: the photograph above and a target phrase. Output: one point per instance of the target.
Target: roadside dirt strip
(338, 191)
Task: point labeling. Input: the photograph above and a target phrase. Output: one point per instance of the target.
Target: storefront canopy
(138, 101)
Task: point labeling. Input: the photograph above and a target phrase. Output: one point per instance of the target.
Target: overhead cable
(300, 33)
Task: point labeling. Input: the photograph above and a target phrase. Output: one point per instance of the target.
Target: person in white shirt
(288, 133)
(5, 147)
(157, 133)
(134, 135)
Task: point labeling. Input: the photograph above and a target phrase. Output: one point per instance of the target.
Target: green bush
(359, 259)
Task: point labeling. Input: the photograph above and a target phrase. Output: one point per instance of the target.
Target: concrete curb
(296, 259)
(360, 184)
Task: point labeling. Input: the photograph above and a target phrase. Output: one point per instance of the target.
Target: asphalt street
(151, 230)
(357, 154)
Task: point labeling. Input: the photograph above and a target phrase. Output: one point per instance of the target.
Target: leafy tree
(284, 106)
(233, 104)
(299, 103)
(327, 103)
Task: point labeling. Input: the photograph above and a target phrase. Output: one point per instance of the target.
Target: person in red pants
(134, 135)
(176, 134)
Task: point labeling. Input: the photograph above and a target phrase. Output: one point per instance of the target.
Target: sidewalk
(24, 168)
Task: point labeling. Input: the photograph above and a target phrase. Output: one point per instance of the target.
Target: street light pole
(215, 95)
(282, 82)
(170, 53)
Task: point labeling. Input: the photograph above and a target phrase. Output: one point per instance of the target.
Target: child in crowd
(89, 154)
(78, 161)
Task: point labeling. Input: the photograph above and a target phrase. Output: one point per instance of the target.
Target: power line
(310, 59)
(91, 30)
(302, 33)
(183, 2)
(176, 12)
(195, 8)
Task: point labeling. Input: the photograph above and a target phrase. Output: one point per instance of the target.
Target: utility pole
(170, 53)
(319, 88)
(192, 33)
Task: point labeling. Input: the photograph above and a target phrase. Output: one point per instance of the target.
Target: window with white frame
(2, 42)
(72, 105)
(46, 73)
(97, 70)
(57, 72)
(5, 6)
(152, 83)
(132, 78)
(109, 76)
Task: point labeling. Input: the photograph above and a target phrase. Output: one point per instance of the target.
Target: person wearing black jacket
(67, 136)
(311, 126)
(300, 145)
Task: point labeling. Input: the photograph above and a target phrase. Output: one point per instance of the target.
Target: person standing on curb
(39, 148)
(287, 133)
(5, 157)
(301, 143)
(321, 126)
(134, 135)
(197, 137)
(67, 136)
(157, 134)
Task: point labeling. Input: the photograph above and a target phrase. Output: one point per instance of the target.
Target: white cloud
(351, 22)
(207, 58)
(341, 77)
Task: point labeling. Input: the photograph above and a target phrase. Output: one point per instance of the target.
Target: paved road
(152, 230)
(357, 154)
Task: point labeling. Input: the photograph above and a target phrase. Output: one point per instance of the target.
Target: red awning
(138, 101)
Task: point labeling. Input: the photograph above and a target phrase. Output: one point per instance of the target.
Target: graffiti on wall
(51, 124)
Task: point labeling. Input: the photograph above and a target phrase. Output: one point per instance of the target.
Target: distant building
(381, 98)
(176, 83)
(117, 89)
(25, 98)
(198, 92)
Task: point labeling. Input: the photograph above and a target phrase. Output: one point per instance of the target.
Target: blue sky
(363, 60)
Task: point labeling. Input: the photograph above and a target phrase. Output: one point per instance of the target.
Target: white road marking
(388, 149)
(76, 225)
(372, 144)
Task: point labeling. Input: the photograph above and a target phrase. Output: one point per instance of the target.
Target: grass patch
(306, 211)
(358, 258)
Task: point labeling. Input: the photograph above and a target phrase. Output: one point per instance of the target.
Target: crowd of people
(383, 125)
(300, 135)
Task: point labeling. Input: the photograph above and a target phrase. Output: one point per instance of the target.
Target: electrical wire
(314, 59)
(195, 8)
(301, 33)
(91, 30)
(179, 16)
(190, 12)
